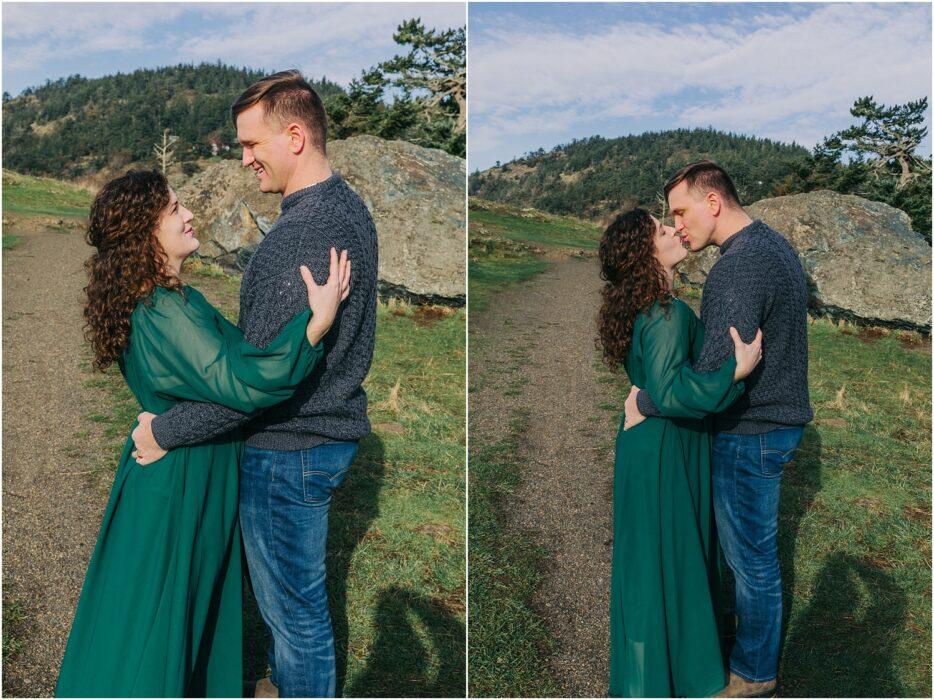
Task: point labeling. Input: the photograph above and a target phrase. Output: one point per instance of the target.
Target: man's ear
(713, 203)
(296, 137)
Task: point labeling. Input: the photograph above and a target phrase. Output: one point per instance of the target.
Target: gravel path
(52, 500)
(547, 328)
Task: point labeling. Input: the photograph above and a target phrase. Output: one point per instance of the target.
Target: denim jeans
(747, 472)
(284, 500)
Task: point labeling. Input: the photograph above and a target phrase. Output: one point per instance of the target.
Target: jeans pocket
(324, 468)
(317, 487)
(777, 448)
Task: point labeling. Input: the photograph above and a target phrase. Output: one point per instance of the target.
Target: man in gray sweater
(758, 282)
(299, 451)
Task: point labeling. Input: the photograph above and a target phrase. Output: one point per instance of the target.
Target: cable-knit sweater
(758, 282)
(331, 403)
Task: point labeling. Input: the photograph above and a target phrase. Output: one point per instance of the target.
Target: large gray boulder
(415, 194)
(417, 198)
(862, 261)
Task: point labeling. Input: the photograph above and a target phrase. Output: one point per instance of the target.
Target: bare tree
(165, 151)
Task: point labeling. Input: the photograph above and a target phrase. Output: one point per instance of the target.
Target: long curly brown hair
(129, 263)
(634, 281)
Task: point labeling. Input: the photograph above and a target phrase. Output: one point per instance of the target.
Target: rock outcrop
(417, 198)
(415, 194)
(862, 261)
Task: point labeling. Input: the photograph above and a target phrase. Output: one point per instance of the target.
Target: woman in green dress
(664, 639)
(160, 611)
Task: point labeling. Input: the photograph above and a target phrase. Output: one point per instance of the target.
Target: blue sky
(49, 41)
(542, 74)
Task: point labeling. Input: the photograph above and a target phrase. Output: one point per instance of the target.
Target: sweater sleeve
(192, 422)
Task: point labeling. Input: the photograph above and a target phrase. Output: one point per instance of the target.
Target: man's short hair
(287, 97)
(705, 176)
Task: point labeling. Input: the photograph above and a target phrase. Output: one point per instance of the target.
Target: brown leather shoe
(265, 689)
(741, 688)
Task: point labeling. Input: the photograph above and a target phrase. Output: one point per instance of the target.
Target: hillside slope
(594, 177)
(77, 125)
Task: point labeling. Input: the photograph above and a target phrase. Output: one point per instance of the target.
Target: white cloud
(26, 20)
(34, 32)
(780, 75)
(336, 39)
(333, 34)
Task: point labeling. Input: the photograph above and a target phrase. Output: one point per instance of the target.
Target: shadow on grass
(801, 481)
(400, 664)
(843, 643)
(354, 507)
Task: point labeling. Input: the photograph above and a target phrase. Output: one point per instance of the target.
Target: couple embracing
(245, 428)
(709, 424)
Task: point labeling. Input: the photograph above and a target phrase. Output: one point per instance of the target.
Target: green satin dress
(160, 611)
(664, 639)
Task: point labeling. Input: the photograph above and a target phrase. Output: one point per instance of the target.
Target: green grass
(25, 194)
(494, 265)
(855, 536)
(854, 524)
(10, 241)
(505, 246)
(119, 415)
(509, 641)
(397, 531)
(531, 226)
(13, 618)
(398, 522)
(200, 268)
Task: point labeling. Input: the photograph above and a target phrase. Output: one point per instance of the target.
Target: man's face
(266, 149)
(694, 214)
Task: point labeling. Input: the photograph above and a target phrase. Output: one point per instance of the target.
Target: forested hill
(594, 177)
(77, 125)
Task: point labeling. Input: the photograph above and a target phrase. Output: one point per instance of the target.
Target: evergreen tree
(74, 126)
(876, 159)
(888, 136)
(434, 70)
(419, 97)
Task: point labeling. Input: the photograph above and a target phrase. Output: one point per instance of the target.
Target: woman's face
(175, 233)
(669, 250)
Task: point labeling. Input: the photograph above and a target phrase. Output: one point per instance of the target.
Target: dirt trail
(52, 500)
(533, 351)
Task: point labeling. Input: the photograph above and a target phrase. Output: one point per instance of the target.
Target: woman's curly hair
(634, 281)
(129, 263)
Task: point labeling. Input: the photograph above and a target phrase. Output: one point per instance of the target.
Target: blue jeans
(747, 472)
(284, 500)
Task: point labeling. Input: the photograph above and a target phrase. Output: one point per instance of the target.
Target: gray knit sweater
(331, 403)
(758, 282)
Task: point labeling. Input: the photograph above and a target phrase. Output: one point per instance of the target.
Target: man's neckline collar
(742, 232)
(315, 190)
